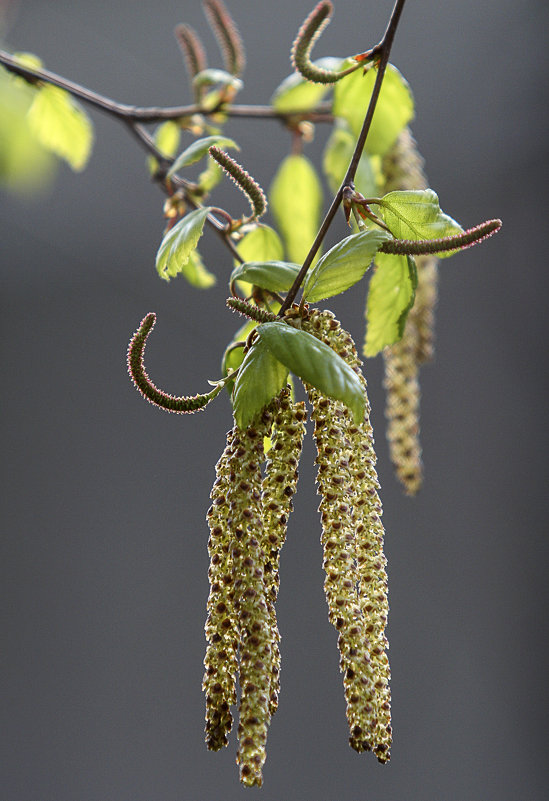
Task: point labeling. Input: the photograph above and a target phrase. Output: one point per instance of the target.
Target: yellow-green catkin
(221, 661)
(352, 455)
(403, 170)
(255, 618)
(278, 488)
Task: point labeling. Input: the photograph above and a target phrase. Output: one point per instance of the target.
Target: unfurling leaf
(178, 244)
(394, 109)
(315, 363)
(260, 378)
(278, 276)
(416, 214)
(296, 199)
(198, 150)
(343, 265)
(61, 125)
(297, 94)
(390, 298)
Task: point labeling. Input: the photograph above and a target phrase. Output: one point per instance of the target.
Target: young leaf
(166, 139)
(297, 94)
(178, 244)
(198, 149)
(416, 214)
(390, 298)
(315, 363)
(213, 77)
(296, 199)
(261, 244)
(259, 379)
(394, 110)
(337, 157)
(210, 177)
(343, 265)
(196, 273)
(278, 276)
(61, 125)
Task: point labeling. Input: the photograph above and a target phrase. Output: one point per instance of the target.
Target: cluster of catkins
(247, 521)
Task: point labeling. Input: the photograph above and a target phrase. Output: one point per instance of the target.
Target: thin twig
(382, 51)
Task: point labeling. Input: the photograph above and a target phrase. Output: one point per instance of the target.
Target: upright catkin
(402, 168)
(356, 582)
(277, 490)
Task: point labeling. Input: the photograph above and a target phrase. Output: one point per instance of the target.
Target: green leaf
(278, 276)
(196, 273)
(178, 244)
(343, 265)
(214, 77)
(390, 297)
(198, 149)
(394, 109)
(295, 93)
(261, 244)
(337, 157)
(296, 200)
(61, 126)
(210, 177)
(416, 214)
(166, 139)
(260, 378)
(315, 363)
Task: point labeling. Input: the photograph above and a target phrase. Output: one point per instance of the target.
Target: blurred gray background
(104, 539)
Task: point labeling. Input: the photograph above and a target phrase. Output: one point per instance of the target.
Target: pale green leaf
(199, 149)
(416, 214)
(210, 177)
(261, 244)
(343, 265)
(178, 244)
(260, 378)
(315, 363)
(296, 199)
(390, 298)
(196, 273)
(295, 93)
(337, 157)
(278, 276)
(394, 109)
(61, 125)
(166, 139)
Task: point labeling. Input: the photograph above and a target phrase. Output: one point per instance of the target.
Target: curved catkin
(278, 488)
(403, 170)
(368, 539)
(255, 618)
(221, 663)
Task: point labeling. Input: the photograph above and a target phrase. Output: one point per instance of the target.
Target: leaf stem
(382, 51)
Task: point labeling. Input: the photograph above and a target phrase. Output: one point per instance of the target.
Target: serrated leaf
(337, 157)
(259, 379)
(394, 109)
(295, 93)
(296, 200)
(343, 265)
(262, 243)
(416, 214)
(61, 125)
(199, 149)
(278, 276)
(390, 298)
(166, 139)
(178, 244)
(315, 363)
